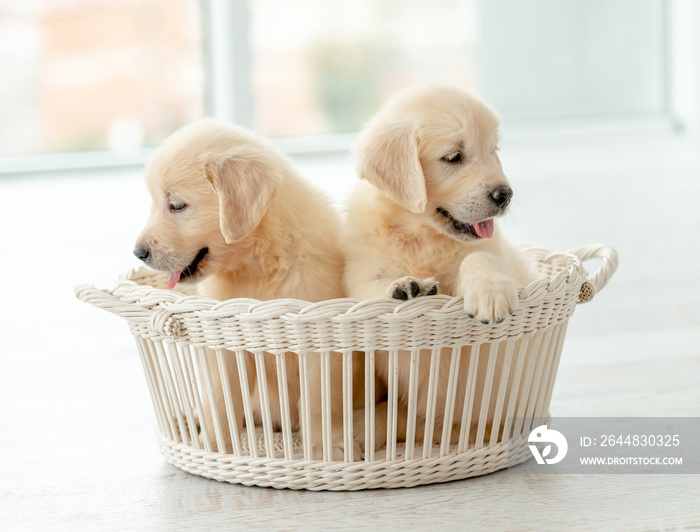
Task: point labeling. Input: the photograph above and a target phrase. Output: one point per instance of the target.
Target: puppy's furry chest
(444, 270)
(426, 257)
(222, 286)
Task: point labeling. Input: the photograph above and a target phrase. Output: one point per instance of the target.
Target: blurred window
(97, 74)
(81, 75)
(573, 58)
(324, 66)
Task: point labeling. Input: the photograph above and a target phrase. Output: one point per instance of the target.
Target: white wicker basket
(521, 355)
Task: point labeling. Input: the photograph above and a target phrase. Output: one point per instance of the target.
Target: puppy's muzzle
(142, 253)
(501, 196)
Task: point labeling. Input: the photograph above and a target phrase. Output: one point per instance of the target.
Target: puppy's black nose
(501, 196)
(142, 253)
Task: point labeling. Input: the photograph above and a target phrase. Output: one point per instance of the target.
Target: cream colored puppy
(230, 212)
(423, 219)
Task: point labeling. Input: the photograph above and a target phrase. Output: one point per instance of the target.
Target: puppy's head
(432, 150)
(211, 184)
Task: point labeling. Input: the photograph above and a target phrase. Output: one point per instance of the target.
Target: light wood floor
(77, 450)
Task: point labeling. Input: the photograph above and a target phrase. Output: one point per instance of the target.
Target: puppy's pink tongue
(172, 278)
(484, 229)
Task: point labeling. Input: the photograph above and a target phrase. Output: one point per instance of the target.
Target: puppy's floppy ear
(387, 157)
(245, 190)
(498, 160)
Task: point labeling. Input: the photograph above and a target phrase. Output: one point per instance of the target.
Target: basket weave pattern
(174, 331)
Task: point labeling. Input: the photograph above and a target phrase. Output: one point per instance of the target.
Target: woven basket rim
(570, 276)
(173, 315)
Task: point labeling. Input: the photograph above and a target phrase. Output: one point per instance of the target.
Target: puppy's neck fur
(410, 231)
(275, 259)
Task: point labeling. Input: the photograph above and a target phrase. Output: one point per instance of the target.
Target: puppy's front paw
(412, 287)
(490, 300)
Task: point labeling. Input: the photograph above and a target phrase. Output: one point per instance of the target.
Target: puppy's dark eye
(453, 158)
(177, 207)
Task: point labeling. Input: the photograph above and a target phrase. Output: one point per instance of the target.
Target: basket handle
(160, 320)
(600, 278)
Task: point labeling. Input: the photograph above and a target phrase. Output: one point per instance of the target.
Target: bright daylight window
(89, 75)
(329, 70)
(119, 75)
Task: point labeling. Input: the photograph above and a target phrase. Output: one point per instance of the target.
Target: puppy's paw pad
(404, 288)
(431, 288)
(408, 287)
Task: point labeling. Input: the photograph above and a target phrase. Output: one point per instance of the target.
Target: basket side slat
(520, 356)
(545, 352)
(197, 398)
(546, 381)
(348, 417)
(469, 395)
(414, 374)
(392, 405)
(168, 412)
(555, 367)
(370, 406)
(151, 382)
(264, 404)
(326, 427)
(171, 391)
(305, 401)
(247, 402)
(502, 390)
(208, 381)
(450, 398)
(284, 404)
(485, 403)
(231, 414)
(430, 406)
(191, 426)
(547, 362)
(526, 388)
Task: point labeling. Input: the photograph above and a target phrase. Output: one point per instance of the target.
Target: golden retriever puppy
(422, 221)
(230, 213)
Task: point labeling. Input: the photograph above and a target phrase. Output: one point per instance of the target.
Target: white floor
(77, 450)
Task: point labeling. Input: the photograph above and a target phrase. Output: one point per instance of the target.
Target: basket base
(316, 475)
